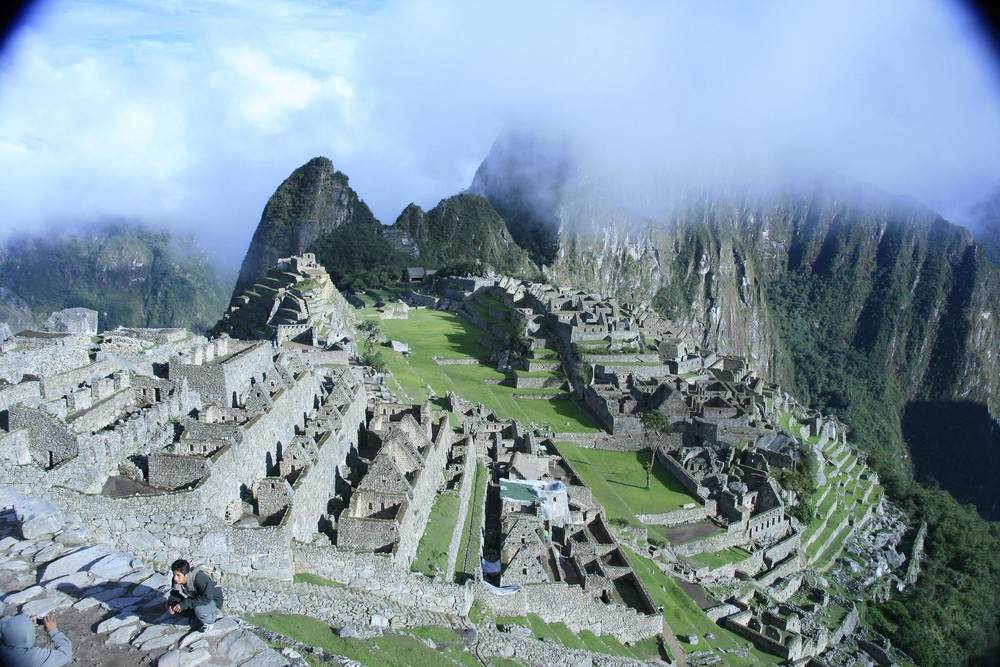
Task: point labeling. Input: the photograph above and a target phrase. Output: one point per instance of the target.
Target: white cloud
(192, 113)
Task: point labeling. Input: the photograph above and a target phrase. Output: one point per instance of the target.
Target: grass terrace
(647, 649)
(432, 552)
(392, 650)
(719, 558)
(470, 547)
(431, 333)
(684, 617)
(618, 481)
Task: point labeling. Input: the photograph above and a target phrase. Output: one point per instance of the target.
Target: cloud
(191, 113)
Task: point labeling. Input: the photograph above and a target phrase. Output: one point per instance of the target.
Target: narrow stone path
(676, 652)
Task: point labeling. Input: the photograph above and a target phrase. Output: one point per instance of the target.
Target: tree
(371, 330)
(654, 423)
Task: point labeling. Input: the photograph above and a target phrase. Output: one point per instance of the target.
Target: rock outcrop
(313, 201)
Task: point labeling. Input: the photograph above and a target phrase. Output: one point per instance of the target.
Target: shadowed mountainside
(131, 275)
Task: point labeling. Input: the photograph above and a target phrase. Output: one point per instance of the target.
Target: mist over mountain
(842, 292)
(130, 274)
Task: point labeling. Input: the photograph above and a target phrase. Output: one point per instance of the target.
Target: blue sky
(190, 114)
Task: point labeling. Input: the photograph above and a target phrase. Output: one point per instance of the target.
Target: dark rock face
(15, 314)
(463, 230)
(521, 178)
(312, 202)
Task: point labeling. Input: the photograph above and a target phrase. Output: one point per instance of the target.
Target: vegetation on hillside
(464, 231)
(129, 274)
(952, 615)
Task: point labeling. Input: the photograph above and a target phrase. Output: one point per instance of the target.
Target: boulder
(73, 320)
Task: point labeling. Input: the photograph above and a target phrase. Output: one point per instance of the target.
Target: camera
(40, 620)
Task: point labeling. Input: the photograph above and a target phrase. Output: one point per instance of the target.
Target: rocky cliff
(312, 202)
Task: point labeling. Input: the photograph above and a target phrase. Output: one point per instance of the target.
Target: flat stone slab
(49, 552)
(118, 621)
(17, 599)
(45, 605)
(268, 658)
(75, 561)
(38, 517)
(122, 635)
(241, 645)
(113, 566)
(178, 658)
(77, 580)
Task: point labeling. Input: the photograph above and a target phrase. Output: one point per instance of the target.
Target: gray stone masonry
(111, 605)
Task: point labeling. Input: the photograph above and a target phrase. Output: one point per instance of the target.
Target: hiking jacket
(17, 645)
(198, 591)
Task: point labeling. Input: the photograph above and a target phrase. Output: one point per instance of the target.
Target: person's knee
(206, 613)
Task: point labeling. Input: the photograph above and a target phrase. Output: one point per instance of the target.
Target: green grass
(469, 549)
(618, 480)
(432, 553)
(444, 334)
(684, 616)
(720, 558)
(316, 580)
(385, 651)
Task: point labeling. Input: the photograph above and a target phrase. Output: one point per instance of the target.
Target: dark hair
(181, 565)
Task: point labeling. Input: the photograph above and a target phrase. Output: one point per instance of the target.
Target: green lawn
(316, 580)
(432, 553)
(618, 480)
(720, 558)
(446, 335)
(385, 651)
(469, 547)
(684, 616)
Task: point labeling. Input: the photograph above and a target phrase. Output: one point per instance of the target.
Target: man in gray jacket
(17, 645)
(194, 592)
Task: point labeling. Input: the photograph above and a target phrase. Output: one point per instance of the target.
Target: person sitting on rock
(17, 643)
(194, 591)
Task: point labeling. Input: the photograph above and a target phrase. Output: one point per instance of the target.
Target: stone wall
(60, 384)
(175, 471)
(378, 573)
(561, 603)
(51, 442)
(26, 391)
(699, 513)
(44, 360)
(316, 485)
(222, 382)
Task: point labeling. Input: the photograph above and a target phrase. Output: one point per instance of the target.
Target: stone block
(379, 621)
(7, 544)
(178, 658)
(73, 320)
(16, 566)
(38, 517)
(75, 537)
(268, 658)
(241, 645)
